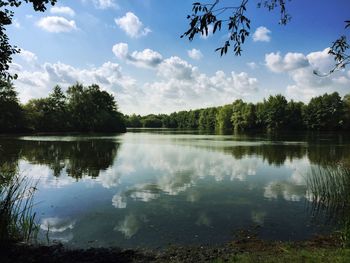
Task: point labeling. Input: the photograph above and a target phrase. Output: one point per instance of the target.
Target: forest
(90, 109)
(327, 112)
(80, 109)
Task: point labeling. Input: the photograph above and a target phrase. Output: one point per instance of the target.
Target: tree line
(79, 109)
(326, 112)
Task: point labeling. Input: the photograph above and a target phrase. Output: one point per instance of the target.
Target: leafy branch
(235, 19)
(339, 50)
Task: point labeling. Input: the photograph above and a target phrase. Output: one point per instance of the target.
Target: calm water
(152, 189)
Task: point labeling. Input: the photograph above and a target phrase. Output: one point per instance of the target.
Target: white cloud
(27, 56)
(39, 83)
(183, 87)
(252, 65)
(195, 54)
(121, 50)
(262, 34)
(147, 58)
(56, 24)
(321, 60)
(132, 25)
(175, 67)
(62, 10)
(16, 24)
(291, 61)
(177, 85)
(301, 69)
(105, 4)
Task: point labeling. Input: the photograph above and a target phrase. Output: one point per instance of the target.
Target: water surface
(155, 188)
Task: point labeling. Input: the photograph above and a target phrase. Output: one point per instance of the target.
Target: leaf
(348, 23)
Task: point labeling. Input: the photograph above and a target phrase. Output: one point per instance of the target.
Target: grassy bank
(293, 255)
(320, 249)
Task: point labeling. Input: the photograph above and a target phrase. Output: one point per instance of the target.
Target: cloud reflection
(129, 226)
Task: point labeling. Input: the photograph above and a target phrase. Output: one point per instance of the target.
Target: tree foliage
(339, 50)
(243, 115)
(326, 112)
(6, 15)
(81, 109)
(223, 117)
(232, 18)
(11, 113)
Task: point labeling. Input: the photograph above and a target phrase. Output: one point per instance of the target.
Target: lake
(152, 188)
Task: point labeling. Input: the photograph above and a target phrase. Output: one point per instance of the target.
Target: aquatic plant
(17, 220)
(329, 189)
(329, 192)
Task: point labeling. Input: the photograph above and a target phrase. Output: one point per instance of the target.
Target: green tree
(223, 117)
(92, 109)
(152, 121)
(260, 110)
(295, 115)
(276, 112)
(48, 114)
(170, 121)
(134, 121)
(243, 115)
(207, 119)
(346, 101)
(59, 118)
(11, 113)
(37, 113)
(237, 115)
(324, 112)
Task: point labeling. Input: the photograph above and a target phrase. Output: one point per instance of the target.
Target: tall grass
(329, 191)
(17, 220)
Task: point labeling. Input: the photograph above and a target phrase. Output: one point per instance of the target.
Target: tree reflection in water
(79, 158)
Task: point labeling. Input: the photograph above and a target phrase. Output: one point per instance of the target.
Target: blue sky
(134, 50)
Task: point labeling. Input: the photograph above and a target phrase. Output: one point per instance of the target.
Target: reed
(17, 219)
(329, 189)
(329, 192)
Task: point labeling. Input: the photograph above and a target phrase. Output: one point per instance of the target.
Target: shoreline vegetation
(328, 112)
(245, 249)
(90, 109)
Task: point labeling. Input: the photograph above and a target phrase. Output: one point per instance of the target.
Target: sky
(133, 49)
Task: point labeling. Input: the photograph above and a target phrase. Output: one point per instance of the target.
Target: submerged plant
(17, 220)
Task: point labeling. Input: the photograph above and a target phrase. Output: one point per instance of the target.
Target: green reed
(329, 191)
(17, 220)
